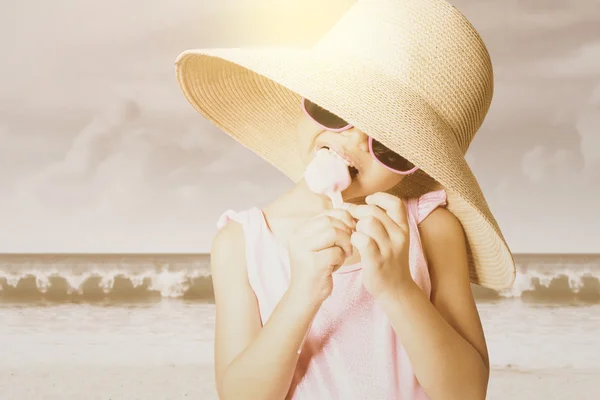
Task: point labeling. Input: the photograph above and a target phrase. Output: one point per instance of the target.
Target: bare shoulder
(444, 246)
(228, 253)
(442, 226)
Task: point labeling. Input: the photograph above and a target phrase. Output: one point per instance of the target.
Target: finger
(366, 246)
(372, 227)
(324, 222)
(342, 215)
(394, 207)
(371, 211)
(331, 237)
(333, 256)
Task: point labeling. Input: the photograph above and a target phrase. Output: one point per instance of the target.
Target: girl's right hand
(317, 248)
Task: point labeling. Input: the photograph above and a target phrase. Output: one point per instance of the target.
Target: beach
(192, 382)
(142, 327)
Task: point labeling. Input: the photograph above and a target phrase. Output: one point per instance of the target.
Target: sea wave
(105, 277)
(559, 278)
(540, 278)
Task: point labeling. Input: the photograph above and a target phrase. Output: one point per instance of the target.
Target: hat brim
(253, 95)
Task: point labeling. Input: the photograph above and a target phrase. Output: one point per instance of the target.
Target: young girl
(372, 300)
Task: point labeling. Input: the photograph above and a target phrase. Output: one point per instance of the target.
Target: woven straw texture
(417, 66)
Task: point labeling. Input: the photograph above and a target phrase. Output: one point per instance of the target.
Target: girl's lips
(343, 154)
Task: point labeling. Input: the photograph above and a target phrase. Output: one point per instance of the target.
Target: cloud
(588, 127)
(3, 132)
(542, 165)
(568, 159)
(128, 183)
(574, 167)
(584, 61)
(550, 202)
(580, 62)
(120, 147)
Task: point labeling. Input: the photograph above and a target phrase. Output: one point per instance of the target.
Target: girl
(376, 295)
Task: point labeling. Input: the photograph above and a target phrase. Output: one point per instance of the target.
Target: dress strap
(417, 210)
(231, 215)
(429, 202)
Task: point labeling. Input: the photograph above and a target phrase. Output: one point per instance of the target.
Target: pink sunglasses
(384, 156)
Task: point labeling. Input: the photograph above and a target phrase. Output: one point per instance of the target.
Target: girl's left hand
(382, 238)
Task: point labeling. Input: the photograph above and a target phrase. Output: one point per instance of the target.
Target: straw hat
(413, 74)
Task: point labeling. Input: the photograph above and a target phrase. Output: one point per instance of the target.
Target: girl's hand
(382, 238)
(316, 249)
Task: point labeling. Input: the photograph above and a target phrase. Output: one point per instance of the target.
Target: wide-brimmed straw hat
(412, 74)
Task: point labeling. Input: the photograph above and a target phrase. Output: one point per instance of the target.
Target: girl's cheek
(305, 139)
(379, 179)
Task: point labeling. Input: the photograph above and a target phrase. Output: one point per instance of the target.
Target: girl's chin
(354, 192)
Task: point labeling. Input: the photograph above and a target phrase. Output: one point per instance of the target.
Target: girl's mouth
(351, 168)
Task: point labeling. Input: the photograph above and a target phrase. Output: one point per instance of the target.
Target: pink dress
(351, 351)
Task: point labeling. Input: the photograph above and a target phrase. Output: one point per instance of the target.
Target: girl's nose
(358, 138)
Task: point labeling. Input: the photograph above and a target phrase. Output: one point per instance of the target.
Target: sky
(100, 152)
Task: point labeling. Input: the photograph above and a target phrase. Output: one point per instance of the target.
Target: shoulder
(227, 254)
(441, 226)
(230, 232)
(445, 249)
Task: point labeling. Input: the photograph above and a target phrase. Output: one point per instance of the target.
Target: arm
(443, 338)
(252, 362)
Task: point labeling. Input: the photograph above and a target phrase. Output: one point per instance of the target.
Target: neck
(300, 202)
(293, 207)
(313, 203)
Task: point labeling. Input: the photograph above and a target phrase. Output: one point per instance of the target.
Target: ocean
(141, 326)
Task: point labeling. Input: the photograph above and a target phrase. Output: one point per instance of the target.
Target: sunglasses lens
(390, 158)
(324, 117)
(382, 153)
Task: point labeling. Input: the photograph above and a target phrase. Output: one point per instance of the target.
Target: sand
(106, 383)
(195, 382)
(544, 385)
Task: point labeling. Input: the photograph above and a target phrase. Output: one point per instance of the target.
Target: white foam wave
(534, 279)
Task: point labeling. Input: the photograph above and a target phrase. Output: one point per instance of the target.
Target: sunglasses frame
(350, 126)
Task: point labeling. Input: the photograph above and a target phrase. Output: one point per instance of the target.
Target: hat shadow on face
(308, 131)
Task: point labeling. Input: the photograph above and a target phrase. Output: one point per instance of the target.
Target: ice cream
(328, 174)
